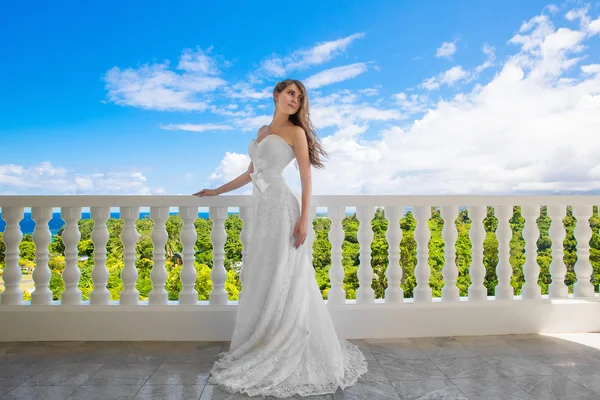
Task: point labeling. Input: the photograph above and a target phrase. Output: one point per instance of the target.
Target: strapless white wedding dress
(284, 342)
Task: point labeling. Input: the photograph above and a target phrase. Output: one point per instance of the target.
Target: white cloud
(591, 69)
(334, 75)
(301, 59)
(448, 77)
(196, 127)
(48, 179)
(232, 165)
(157, 87)
(532, 128)
(447, 49)
(369, 91)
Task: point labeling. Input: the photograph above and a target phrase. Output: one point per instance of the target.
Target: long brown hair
(301, 118)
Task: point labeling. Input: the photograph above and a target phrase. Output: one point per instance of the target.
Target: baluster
(450, 291)
(12, 274)
(100, 295)
(188, 294)
(422, 291)
(531, 269)
(583, 268)
(337, 294)
(503, 290)
(41, 273)
(246, 214)
(365, 293)
(558, 289)
(71, 274)
(218, 275)
(129, 236)
(477, 290)
(158, 295)
(393, 293)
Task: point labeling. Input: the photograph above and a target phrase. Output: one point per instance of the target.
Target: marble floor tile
(398, 349)
(69, 374)
(39, 393)
(212, 392)
(442, 347)
(367, 390)
(193, 353)
(519, 365)
(375, 373)
(105, 392)
(170, 392)
(491, 389)
(490, 347)
(429, 389)
(592, 382)
(15, 374)
(538, 346)
(152, 353)
(570, 363)
(364, 347)
(466, 367)
(555, 387)
(128, 374)
(180, 374)
(297, 397)
(5, 389)
(412, 370)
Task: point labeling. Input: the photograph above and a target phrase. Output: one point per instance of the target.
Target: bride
(284, 342)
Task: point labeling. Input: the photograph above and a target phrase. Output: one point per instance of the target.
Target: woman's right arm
(238, 182)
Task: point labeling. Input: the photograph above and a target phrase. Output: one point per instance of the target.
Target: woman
(284, 342)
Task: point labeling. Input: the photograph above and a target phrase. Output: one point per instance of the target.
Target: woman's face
(288, 100)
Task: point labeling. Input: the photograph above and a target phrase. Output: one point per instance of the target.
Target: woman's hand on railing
(206, 192)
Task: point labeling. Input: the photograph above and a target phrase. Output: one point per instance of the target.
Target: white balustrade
(531, 269)
(218, 274)
(71, 236)
(375, 317)
(188, 294)
(504, 290)
(158, 295)
(100, 295)
(393, 293)
(477, 290)
(422, 292)
(583, 268)
(558, 289)
(450, 291)
(365, 293)
(129, 236)
(336, 294)
(41, 273)
(12, 272)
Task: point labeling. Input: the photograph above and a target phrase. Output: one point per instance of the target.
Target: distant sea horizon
(28, 224)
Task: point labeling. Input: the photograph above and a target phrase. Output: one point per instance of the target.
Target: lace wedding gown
(284, 342)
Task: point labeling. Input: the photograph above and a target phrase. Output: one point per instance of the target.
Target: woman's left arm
(301, 152)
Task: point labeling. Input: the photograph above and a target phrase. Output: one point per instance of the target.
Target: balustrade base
(174, 322)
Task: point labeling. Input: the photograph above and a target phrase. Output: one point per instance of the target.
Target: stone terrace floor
(483, 367)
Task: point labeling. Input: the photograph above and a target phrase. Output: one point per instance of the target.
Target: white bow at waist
(258, 178)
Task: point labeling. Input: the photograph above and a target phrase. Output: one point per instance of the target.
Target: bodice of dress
(269, 156)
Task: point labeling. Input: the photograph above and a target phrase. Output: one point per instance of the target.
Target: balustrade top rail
(316, 200)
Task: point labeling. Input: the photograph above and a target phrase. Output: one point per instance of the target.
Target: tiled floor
(489, 367)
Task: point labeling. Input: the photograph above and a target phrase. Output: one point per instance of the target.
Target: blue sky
(408, 97)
